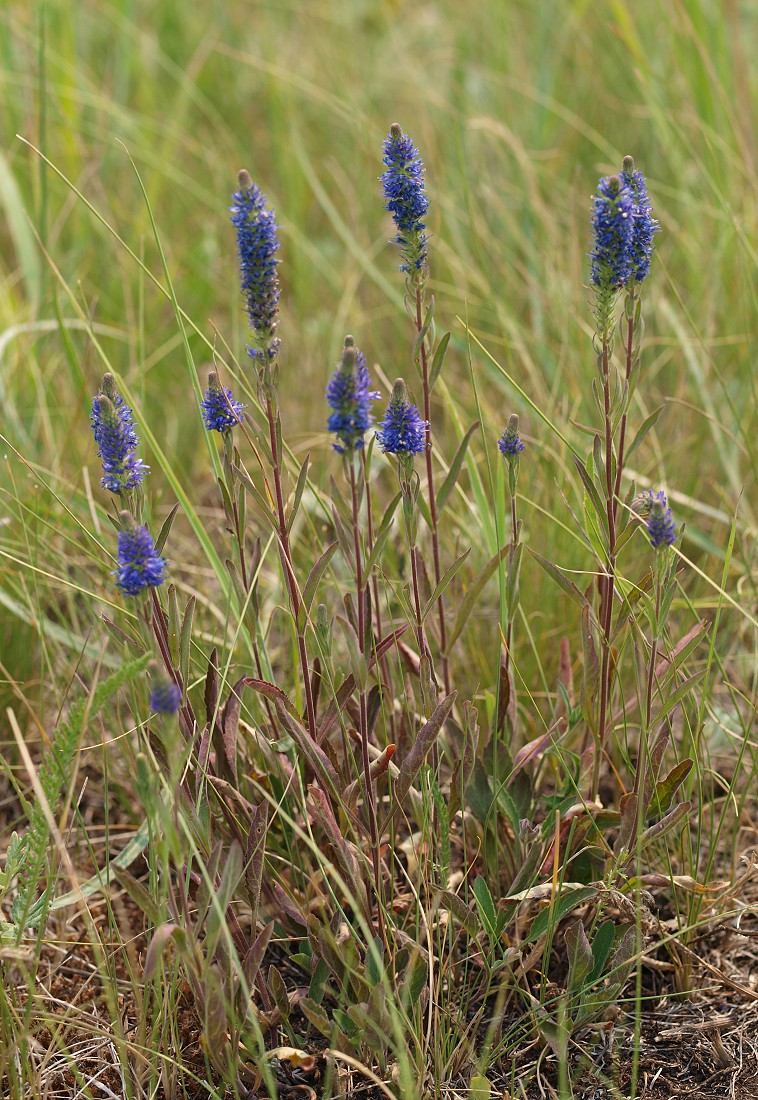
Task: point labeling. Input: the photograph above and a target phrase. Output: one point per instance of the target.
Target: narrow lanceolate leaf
(347, 687)
(445, 580)
(230, 717)
(302, 480)
(315, 756)
(485, 905)
(412, 763)
(438, 360)
(378, 768)
(645, 427)
(314, 577)
(251, 963)
(185, 639)
(560, 578)
(581, 959)
(666, 824)
(211, 687)
(681, 692)
(570, 898)
(160, 941)
(591, 488)
(258, 498)
(472, 595)
(345, 853)
(272, 692)
(455, 468)
(667, 788)
(165, 530)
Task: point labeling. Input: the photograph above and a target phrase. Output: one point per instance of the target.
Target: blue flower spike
(165, 696)
(661, 529)
(644, 225)
(406, 199)
(349, 397)
(510, 443)
(612, 225)
(402, 432)
(112, 423)
(139, 565)
(257, 246)
(220, 410)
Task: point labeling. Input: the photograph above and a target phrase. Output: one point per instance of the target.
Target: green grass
(124, 125)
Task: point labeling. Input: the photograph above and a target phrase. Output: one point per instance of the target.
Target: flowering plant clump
(220, 410)
(355, 720)
(112, 423)
(140, 567)
(406, 198)
(349, 396)
(257, 245)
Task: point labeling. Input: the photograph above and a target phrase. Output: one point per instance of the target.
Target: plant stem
(272, 415)
(606, 610)
(630, 327)
(430, 484)
(383, 664)
(368, 787)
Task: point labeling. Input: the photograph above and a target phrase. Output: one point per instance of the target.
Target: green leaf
(672, 819)
(165, 530)
(681, 692)
(411, 765)
(311, 585)
(486, 906)
(158, 944)
(185, 638)
(260, 500)
(580, 956)
(438, 360)
(667, 788)
(646, 426)
(601, 949)
(472, 595)
(455, 468)
(560, 578)
(591, 488)
(380, 536)
(479, 1089)
(445, 580)
(316, 1016)
(299, 488)
(568, 899)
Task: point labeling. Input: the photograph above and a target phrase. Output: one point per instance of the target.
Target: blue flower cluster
(661, 528)
(257, 245)
(612, 221)
(166, 696)
(623, 227)
(220, 410)
(510, 443)
(402, 431)
(644, 224)
(140, 567)
(112, 423)
(349, 396)
(405, 197)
